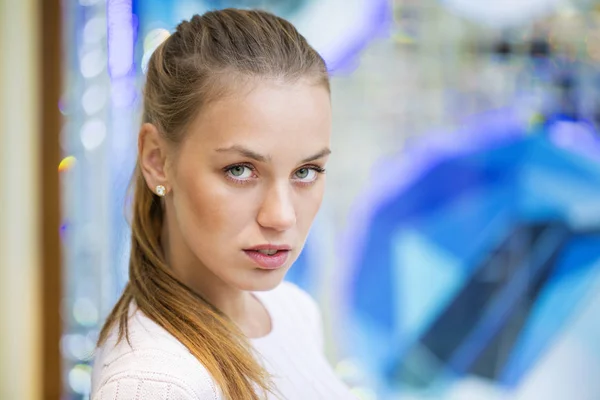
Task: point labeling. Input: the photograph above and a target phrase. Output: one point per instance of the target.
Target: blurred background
(457, 253)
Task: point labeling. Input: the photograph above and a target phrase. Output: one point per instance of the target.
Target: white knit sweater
(157, 366)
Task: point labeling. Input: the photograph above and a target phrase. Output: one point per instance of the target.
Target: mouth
(269, 256)
(270, 252)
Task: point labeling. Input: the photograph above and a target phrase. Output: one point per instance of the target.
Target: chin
(260, 280)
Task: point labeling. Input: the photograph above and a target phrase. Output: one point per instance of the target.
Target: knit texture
(156, 366)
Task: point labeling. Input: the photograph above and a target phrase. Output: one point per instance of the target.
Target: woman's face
(249, 177)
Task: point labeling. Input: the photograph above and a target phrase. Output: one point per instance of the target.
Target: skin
(239, 179)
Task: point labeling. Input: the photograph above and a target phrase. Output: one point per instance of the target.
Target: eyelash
(316, 168)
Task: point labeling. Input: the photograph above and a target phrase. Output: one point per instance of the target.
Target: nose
(277, 209)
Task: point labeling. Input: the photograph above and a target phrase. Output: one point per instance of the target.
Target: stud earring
(161, 191)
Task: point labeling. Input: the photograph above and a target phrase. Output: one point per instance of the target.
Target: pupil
(237, 171)
(302, 173)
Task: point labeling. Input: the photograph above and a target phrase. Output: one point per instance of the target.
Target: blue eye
(308, 174)
(240, 172)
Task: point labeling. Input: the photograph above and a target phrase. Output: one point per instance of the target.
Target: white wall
(20, 355)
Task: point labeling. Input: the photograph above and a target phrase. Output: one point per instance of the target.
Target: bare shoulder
(152, 364)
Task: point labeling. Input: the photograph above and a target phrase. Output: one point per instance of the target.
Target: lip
(269, 247)
(264, 261)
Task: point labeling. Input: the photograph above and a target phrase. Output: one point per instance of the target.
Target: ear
(152, 153)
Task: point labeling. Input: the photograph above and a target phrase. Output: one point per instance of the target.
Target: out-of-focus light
(62, 231)
(92, 63)
(93, 133)
(85, 312)
(145, 61)
(535, 120)
(80, 379)
(93, 335)
(578, 137)
(123, 93)
(67, 163)
(62, 106)
(120, 37)
(87, 3)
(77, 347)
(153, 39)
(350, 371)
(567, 10)
(94, 30)
(364, 393)
(403, 38)
(503, 14)
(94, 99)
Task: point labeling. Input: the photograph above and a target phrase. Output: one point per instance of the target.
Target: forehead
(266, 113)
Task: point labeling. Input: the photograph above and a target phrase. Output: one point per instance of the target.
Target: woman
(230, 175)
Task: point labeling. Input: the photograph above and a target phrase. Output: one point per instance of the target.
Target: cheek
(213, 209)
(309, 204)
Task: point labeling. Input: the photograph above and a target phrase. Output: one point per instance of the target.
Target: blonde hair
(199, 63)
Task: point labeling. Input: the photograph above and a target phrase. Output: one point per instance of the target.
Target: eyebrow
(261, 158)
(321, 154)
(245, 152)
